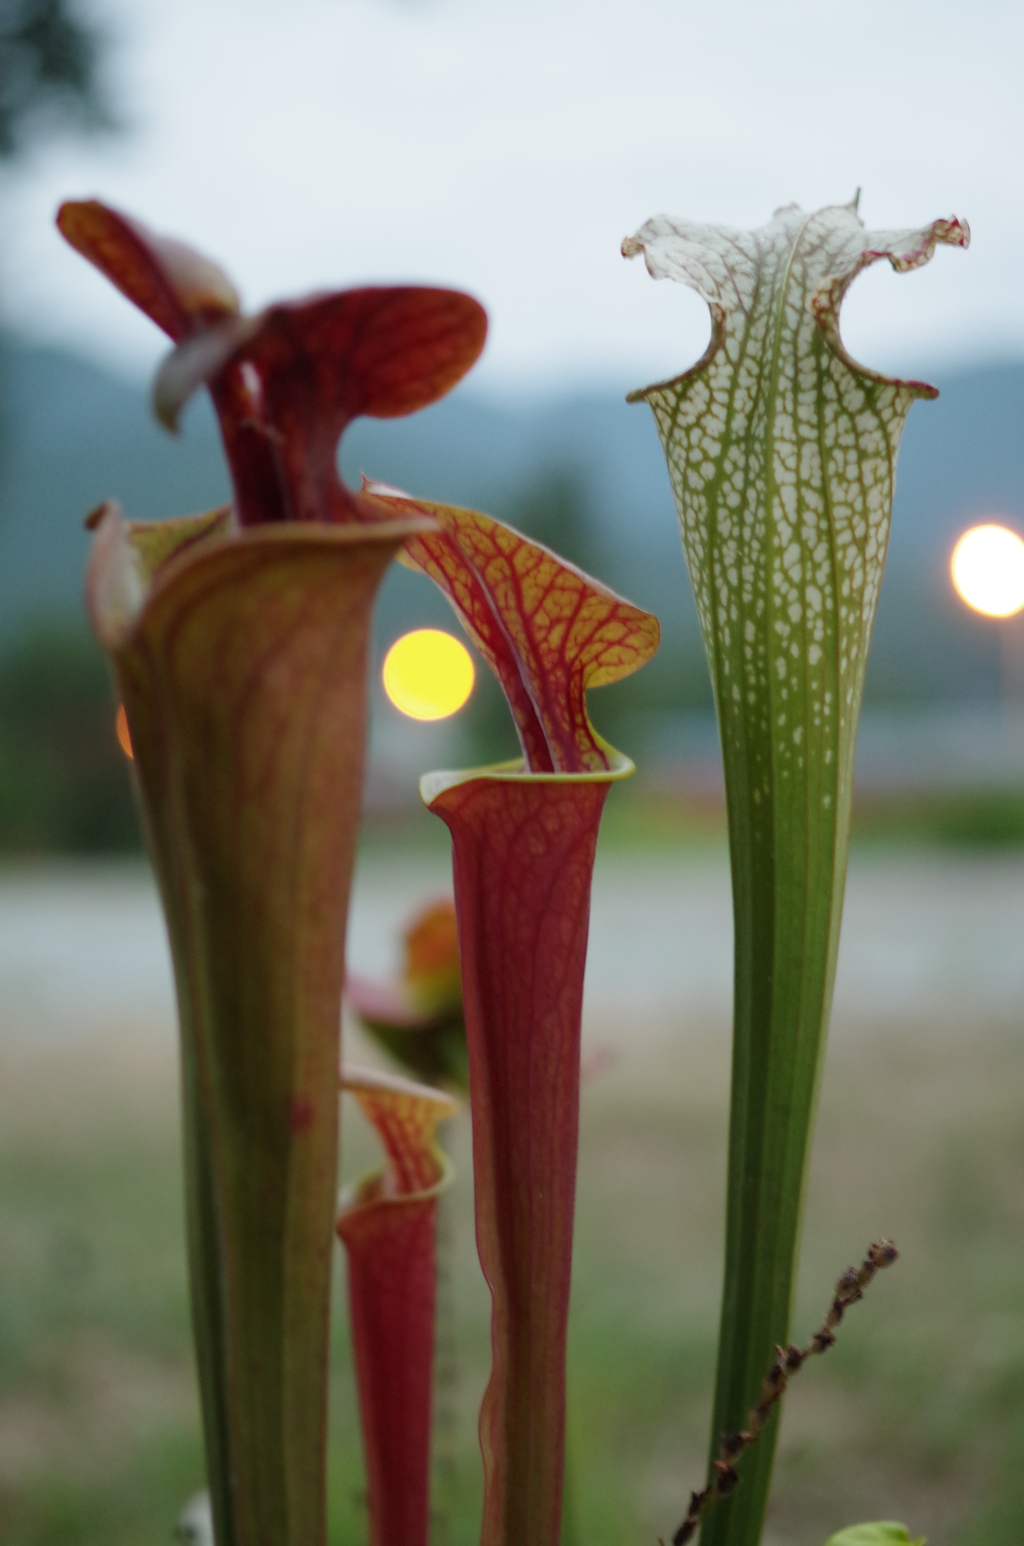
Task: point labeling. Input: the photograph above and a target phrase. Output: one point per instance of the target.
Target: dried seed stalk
(789, 1361)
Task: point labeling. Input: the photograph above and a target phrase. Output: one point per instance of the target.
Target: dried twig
(789, 1361)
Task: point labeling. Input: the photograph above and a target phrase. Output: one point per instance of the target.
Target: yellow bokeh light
(428, 674)
(988, 570)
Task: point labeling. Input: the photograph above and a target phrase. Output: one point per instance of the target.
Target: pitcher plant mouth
(515, 771)
(781, 451)
(239, 643)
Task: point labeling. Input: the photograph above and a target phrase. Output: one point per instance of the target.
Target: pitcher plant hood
(286, 382)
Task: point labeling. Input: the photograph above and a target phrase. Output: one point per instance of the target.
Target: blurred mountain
(70, 436)
(584, 473)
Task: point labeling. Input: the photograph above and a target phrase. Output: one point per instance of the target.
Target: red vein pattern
(388, 1227)
(548, 631)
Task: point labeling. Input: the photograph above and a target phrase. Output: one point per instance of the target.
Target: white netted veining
(781, 451)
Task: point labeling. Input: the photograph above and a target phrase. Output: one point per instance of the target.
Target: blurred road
(927, 935)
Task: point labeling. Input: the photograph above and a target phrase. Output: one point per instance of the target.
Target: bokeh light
(988, 570)
(124, 739)
(428, 674)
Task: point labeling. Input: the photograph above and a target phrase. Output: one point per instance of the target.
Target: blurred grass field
(917, 1414)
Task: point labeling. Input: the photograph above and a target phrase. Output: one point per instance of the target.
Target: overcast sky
(507, 146)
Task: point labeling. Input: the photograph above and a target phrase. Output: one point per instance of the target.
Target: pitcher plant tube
(524, 835)
(239, 646)
(387, 1223)
(781, 451)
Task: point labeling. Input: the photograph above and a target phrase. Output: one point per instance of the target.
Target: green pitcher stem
(778, 1039)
